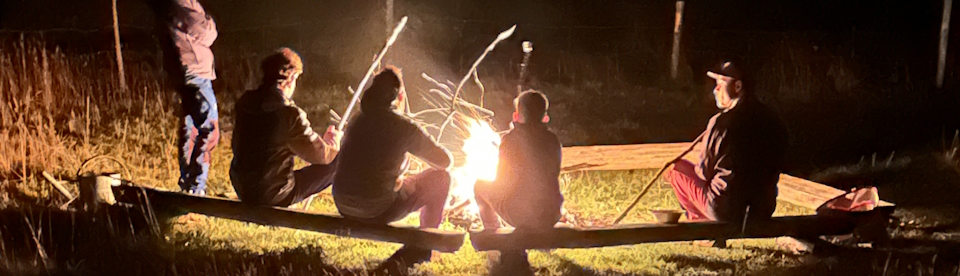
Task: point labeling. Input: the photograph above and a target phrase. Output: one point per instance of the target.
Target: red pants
(691, 191)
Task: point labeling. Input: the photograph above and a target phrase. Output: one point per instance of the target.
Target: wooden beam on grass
(796, 226)
(794, 190)
(445, 241)
(944, 34)
(621, 157)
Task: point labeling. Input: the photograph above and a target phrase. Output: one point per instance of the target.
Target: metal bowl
(667, 216)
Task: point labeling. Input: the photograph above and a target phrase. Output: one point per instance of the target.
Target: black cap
(727, 70)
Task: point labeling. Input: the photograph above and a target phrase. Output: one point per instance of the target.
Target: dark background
(850, 78)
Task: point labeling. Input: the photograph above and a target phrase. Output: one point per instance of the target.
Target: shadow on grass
(702, 264)
(38, 240)
(568, 267)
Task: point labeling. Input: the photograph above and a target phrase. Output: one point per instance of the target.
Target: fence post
(675, 57)
(944, 34)
(116, 40)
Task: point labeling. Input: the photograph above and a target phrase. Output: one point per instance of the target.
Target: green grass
(139, 127)
(596, 196)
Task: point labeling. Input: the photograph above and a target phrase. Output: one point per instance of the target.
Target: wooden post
(675, 57)
(116, 40)
(944, 33)
(389, 17)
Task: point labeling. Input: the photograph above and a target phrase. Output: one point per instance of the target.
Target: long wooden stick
(655, 177)
(453, 102)
(57, 184)
(363, 82)
(500, 37)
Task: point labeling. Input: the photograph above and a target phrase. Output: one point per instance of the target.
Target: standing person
(369, 185)
(270, 130)
(526, 192)
(743, 154)
(191, 33)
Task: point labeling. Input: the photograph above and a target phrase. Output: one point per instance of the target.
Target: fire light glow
(481, 151)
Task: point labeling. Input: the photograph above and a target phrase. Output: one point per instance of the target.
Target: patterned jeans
(199, 133)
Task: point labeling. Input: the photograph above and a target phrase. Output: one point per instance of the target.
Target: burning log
(446, 241)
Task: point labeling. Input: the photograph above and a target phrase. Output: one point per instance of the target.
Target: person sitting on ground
(526, 192)
(742, 155)
(270, 130)
(369, 184)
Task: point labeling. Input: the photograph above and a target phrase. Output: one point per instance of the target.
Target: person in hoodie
(270, 130)
(369, 185)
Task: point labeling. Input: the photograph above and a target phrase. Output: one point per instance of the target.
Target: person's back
(371, 161)
(529, 171)
(368, 184)
(526, 191)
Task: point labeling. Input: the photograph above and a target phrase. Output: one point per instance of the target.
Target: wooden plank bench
(444, 241)
(803, 227)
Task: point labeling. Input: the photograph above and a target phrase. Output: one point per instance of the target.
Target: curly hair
(281, 65)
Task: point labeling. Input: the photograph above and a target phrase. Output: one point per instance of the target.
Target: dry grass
(58, 110)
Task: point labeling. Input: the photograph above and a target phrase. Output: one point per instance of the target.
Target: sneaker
(795, 246)
(720, 243)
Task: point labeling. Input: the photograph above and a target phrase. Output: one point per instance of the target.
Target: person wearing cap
(742, 155)
(190, 33)
(369, 185)
(270, 130)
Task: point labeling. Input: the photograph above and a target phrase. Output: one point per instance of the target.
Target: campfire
(480, 150)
